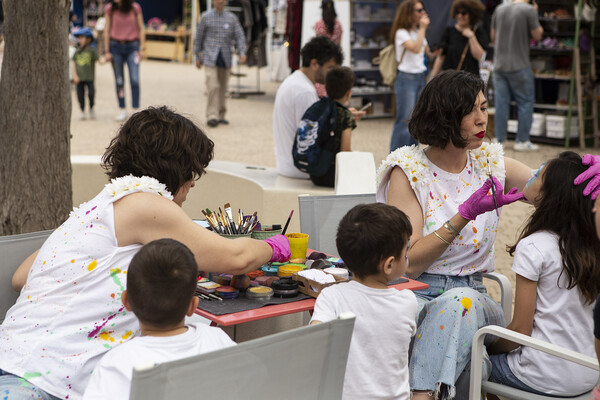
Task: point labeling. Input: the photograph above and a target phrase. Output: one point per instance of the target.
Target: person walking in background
(463, 44)
(84, 69)
(408, 34)
(328, 26)
(513, 25)
(217, 31)
(124, 40)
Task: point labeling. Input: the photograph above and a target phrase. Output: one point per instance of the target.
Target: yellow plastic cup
(298, 245)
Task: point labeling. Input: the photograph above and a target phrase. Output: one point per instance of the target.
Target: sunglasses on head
(462, 13)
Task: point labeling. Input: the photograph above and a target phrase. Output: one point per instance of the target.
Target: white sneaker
(82, 116)
(122, 116)
(526, 146)
(92, 114)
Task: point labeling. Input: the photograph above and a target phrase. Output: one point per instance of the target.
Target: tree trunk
(35, 114)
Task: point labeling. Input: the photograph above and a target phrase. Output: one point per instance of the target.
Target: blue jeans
(13, 387)
(520, 86)
(126, 53)
(407, 88)
(450, 312)
(502, 374)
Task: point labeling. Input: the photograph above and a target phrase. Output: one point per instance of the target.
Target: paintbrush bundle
(225, 223)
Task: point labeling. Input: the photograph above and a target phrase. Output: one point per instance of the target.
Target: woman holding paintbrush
(69, 312)
(445, 190)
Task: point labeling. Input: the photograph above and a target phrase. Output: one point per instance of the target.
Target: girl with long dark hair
(557, 266)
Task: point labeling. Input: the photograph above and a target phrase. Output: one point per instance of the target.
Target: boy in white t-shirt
(373, 239)
(161, 282)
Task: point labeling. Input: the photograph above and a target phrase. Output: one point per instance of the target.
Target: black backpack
(314, 145)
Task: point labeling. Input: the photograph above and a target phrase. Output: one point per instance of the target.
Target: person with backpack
(326, 129)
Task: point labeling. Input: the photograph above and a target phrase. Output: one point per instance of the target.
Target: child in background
(338, 83)
(557, 266)
(161, 282)
(373, 239)
(84, 69)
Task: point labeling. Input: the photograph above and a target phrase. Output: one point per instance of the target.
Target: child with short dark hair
(84, 69)
(161, 282)
(338, 83)
(373, 239)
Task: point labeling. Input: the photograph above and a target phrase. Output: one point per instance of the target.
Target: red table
(277, 310)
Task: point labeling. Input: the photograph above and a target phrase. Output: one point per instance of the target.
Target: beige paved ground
(248, 138)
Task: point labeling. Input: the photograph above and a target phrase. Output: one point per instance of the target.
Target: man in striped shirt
(217, 33)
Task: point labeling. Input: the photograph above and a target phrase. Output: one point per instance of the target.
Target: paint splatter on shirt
(69, 313)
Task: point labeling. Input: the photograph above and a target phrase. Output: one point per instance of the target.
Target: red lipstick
(481, 134)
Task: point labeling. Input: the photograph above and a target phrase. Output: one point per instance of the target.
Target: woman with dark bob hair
(69, 312)
(444, 191)
(462, 44)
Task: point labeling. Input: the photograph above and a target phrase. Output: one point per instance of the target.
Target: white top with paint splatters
(440, 193)
(69, 313)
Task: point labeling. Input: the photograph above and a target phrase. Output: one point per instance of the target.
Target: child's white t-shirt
(377, 365)
(112, 376)
(412, 63)
(561, 317)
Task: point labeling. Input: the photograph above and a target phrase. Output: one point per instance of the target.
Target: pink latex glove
(480, 202)
(281, 248)
(593, 172)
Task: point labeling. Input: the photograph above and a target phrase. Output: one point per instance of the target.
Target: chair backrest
(355, 172)
(320, 215)
(13, 250)
(303, 363)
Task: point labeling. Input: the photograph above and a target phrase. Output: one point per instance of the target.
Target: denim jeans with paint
(407, 88)
(450, 312)
(520, 86)
(13, 387)
(126, 53)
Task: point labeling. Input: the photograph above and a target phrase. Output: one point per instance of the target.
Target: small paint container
(290, 269)
(255, 274)
(339, 272)
(285, 288)
(270, 269)
(222, 279)
(259, 293)
(227, 292)
(208, 287)
(262, 280)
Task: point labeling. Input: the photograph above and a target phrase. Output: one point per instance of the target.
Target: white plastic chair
(476, 385)
(303, 363)
(13, 250)
(355, 172)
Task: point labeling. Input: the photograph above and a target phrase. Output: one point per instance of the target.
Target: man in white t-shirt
(161, 282)
(296, 94)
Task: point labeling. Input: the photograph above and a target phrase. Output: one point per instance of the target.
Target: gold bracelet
(441, 238)
(450, 228)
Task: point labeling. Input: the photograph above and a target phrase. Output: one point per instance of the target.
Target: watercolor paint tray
(242, 303)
